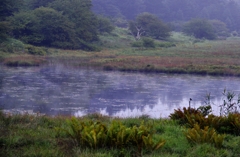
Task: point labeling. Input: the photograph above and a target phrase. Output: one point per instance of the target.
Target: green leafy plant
(149, 143)
(230, 124)
(90, 134)
(74, 130)
(211, 120)
(235, 123)
(141, 137)
(223, 124)
(197, 135)
(137, 135)
(181, 115)
(96, 135)
(118, 135)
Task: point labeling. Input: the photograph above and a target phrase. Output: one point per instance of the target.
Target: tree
(5, 29)
(79, 12)
(44, 27)
(104, 25)
(7, 8)
(173, 10)
(220, 28)
(56, 29)
(136, 30)
(61, 23)
(25, 27)
(34, 4)
(199, 28)
(149, 25)
(106, 8)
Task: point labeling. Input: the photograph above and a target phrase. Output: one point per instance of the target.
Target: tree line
(149, 25)
(77, 24)
(52, 23)
(175, 11)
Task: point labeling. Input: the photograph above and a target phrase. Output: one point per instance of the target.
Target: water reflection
(61, 90)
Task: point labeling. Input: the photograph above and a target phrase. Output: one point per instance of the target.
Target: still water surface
(61, 90)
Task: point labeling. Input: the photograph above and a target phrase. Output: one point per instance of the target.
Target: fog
(173, 11)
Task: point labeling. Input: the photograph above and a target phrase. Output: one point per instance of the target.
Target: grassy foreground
(38, 136)
(179, 54)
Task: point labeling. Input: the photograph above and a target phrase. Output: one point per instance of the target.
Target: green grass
(31, 135)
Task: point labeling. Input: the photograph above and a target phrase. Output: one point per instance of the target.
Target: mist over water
(61, 90)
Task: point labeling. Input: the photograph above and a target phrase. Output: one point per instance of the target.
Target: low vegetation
(102, 136)
(120, 51)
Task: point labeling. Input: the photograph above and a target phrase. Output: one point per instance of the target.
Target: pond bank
(171, 65)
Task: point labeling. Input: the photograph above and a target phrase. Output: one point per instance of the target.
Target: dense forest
(52, 23)
(77, 24)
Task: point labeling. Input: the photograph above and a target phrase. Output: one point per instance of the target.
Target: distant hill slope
(173, 10)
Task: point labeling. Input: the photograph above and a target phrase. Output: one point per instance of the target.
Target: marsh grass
(203, 57)
(23, 60)
(190, 55)
(31, 135)
(27, 135)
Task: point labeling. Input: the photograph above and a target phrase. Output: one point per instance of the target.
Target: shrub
(97, 135)
(234, 120)
(196, 135)
(211, 120)
(137, 44)
(199, 28)
(166, 44)
(12, 45)
(181, 115)
(230, 124)
(148, 42)
(144, 42)
(35, 50)
(104, 25)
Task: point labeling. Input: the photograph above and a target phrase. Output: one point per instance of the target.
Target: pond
(63, 90)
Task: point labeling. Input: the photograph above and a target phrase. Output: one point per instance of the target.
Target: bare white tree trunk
(139, 32)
